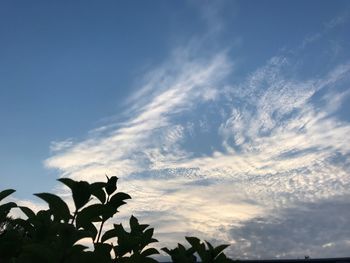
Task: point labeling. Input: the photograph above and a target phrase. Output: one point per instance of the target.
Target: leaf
(68, 182)
(219, 249)
(211, 248)
(166, 250)
(89, 214)
(117, 200)
(119, 230)
(5, 208)
(149, 251)
(90, 230)
(27, 211)
(5, 193)
(194, 241)
(109, 234)
(81, 194)
(148, 235)
(57, 206)
(96, 189)
(134, 223)
(80, 191)
(111, 185)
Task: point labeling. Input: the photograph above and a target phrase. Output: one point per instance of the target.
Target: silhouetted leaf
(80, 191)
(68, 182)
(211, 248)
(119, 230)
(149, 252)
(109, 234)
(5, 193)
(134, 223)
(166, 250)
(57, 206)
(5, 209)
(219, 249)
(148, 236)
(194, 241)
(27, 211)
(117, 200)
(111, 185)
(96, 189)
(92, 213)
(91, 230)
(81, 194)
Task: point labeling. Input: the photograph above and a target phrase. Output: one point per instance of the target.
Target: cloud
(172, 94)
(60, 145)
(203, 155)
(295, 232)
(330, 25)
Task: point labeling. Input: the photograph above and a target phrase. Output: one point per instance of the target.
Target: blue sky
(244, 101)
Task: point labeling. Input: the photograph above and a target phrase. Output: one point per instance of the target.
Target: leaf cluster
(56, 234)
(206, 252)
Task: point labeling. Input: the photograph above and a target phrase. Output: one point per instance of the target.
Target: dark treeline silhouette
(53, 235)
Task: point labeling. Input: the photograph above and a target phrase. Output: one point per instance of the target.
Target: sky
(227, 120)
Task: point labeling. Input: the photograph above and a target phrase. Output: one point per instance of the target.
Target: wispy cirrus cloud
(202, 154)
(169, 94)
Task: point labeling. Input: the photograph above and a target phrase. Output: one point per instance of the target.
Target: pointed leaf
(142, 227)
(166, 250)
(149, 252)
(96, 189)
(211, 248)
(57, 206)
(117, 200)
(120, 230)
(134, 223)
(109, 234)
(111, 185)
(91, 230)
(89, 214)
(80, 191)
(5, 193)
(81, 194)
(194, 241)
(68, 182)
(148, 235)
(5, 209)
(219, 249)
(27, 211)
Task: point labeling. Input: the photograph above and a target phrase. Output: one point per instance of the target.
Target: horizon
(225, 120)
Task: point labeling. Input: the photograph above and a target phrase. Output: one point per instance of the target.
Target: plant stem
(100, 231)
(101, 226)
(74, 216)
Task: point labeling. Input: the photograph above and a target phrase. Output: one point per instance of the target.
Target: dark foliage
(53, 235)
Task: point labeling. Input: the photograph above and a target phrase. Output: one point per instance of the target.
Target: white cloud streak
(278, 145)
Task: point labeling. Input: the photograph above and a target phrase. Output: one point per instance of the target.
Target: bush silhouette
(53, 235)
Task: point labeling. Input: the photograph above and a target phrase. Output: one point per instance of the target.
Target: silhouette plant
(56, 234)
(206, 252)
